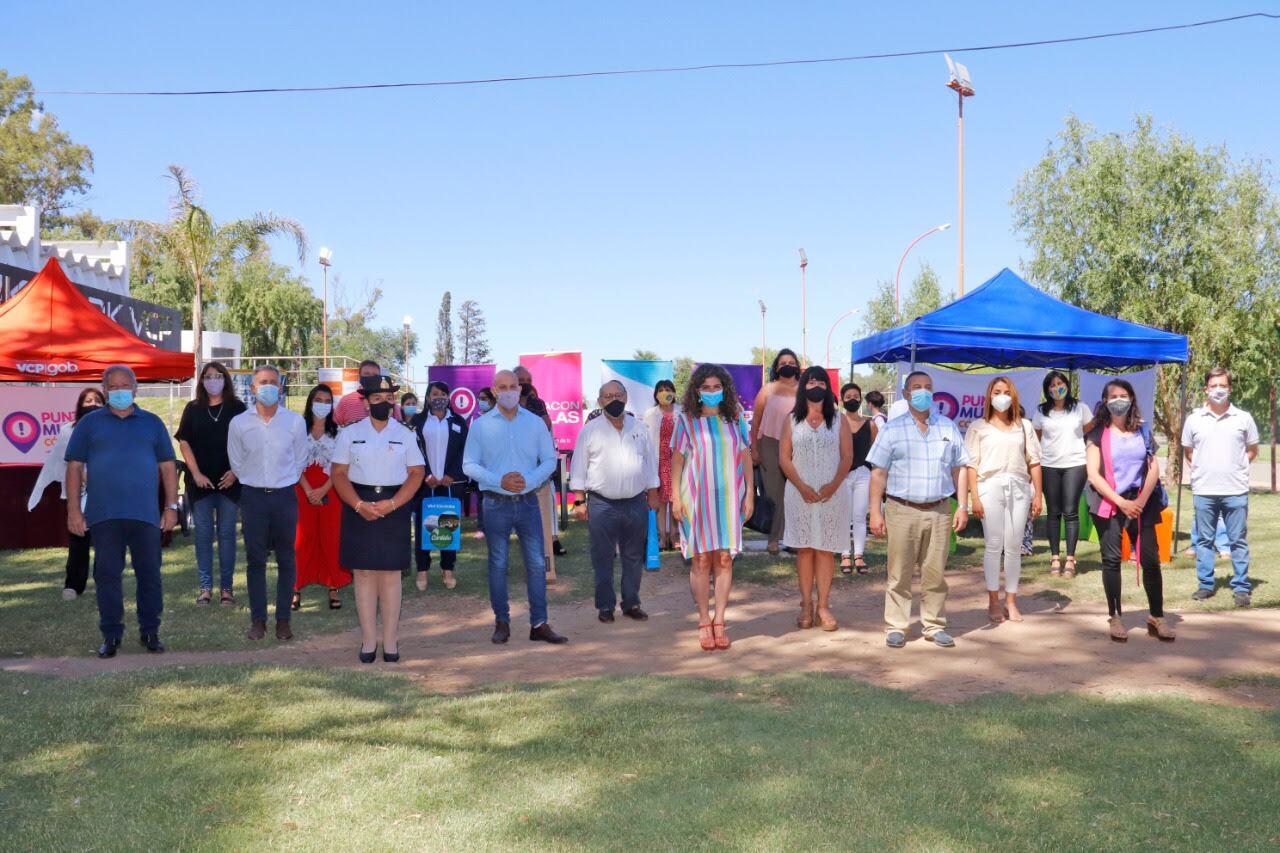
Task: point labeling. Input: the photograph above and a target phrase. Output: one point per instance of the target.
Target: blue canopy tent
(1008, 323)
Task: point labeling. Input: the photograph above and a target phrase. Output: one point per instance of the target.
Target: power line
(677, 69)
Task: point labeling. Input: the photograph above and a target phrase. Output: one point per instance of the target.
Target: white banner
(963, 396)
(30, 420)
(638, 377)
(1144, 389)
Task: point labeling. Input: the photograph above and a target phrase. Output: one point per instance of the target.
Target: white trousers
(858, 484)
(1006, 501)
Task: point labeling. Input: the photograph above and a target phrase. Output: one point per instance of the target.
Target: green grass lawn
(231, 758)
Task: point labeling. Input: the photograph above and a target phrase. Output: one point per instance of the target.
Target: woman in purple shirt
(1125, 495)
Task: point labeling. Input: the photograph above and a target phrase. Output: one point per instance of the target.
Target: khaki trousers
(547, 504)
(917, 537)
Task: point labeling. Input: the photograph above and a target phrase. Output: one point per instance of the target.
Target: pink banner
(557, 376)
(30, 420)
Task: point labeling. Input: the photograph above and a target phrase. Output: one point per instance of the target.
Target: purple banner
(464, 380)
(747, 381)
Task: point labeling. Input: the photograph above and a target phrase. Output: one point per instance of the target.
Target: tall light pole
(804, 309)
(897, 279)
(408, 321)
(764, 358)
(963, 87)
(845, 316)
(326, 257)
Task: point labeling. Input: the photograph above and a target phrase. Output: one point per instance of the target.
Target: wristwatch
(173, 507)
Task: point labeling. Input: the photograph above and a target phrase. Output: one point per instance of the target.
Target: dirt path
(1062, 646)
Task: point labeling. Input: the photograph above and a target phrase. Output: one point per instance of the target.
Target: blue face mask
(268, 395)
(120, 400)
(483, 405)
(711, 398)
(921, 399)
(410, 410)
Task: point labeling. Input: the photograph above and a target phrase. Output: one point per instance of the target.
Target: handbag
(761, 520)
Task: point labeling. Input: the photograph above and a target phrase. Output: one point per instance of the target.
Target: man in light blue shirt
(509, 454)
(918, 462)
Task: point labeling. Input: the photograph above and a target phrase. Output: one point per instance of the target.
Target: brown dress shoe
(1159, 628)
(283, 631)
(257, 630)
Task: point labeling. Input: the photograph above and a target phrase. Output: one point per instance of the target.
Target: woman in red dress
(661, 420)
(319, 511)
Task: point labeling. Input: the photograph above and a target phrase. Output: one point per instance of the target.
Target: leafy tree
(473, 340)
(923, 295)
(444, 331)
(202, 250)
(82, 225)
(274, 312)
(646, 355)
(352, 333)
(683, 369)
(39, 164)
(1149, 227)
(767, 359)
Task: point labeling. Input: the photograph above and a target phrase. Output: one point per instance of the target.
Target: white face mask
(321, 410)
(1218, 395)
(1001, 402)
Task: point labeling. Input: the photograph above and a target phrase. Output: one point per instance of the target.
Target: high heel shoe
(390, 657)
(1159, 628)
(368, 657)
(721, 638)
(296, 603)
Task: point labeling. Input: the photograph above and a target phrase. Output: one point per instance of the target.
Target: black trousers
(618, 527)
(269, 522)
(1062, 489)
(1142, 530)
(77, 563)
(422, 557)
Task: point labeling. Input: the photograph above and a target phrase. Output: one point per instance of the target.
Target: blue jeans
(215, 513)
(1234, 512)
(524, 516)
(110, 539)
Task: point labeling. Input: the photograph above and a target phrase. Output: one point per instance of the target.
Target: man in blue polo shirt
(129, 454)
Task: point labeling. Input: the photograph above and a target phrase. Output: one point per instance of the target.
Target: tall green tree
(645, 355)
(473, 339)
(352, 332)
(444, 331)
(683, 369)
(203, 249)
(1147, 226)
(273, 311)
(923, 294)
(39, 164)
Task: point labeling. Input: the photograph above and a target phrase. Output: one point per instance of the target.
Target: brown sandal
(1070, 570)
(722, 639)
(706, 637)
(860, 564)
(335, 603)
(1055, 566)
(1159, 628)
(805, 620)
(827, 625)
(228, 597)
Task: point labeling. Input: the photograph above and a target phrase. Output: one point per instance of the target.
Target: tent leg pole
(1182, 414)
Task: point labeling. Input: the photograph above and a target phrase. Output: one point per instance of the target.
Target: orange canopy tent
(51, 332)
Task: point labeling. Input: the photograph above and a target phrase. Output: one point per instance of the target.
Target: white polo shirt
(1219, 445)
(377, 458)
(616, 464)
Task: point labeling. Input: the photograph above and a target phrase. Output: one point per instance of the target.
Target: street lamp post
(804, 309)
(963, 87)
(897, 279)
(845, 316)
(764, 359)
(326, 257)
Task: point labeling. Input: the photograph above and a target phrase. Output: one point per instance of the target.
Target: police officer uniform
(379, 463)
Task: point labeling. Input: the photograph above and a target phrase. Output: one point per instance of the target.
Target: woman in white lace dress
(815, 456)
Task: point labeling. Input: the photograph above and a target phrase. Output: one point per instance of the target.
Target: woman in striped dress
(711, 465)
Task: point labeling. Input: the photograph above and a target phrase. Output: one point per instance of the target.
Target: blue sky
(648, 211)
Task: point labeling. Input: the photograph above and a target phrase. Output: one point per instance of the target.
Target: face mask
(711, 398)
(666, 398)
(788, 371)
(321, 410)
(1059, 392)
(615, 408)
(214, 385)
(86, 409)
(268, 395)
(816, 394)
(1119, 406)
(410, 410)
(380, 411)
(120, 400)
(921, 399)
(526, 390)
(1001, 402)
(508, 399)
(852, 405)
(1218, 395)
(437, 404)
(484, 406)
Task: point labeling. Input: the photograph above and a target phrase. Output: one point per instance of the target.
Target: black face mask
(788, 371)
(852, 405)
(816, 394)
(615, 408)
(86, 409)
(526, 390)
(380, 411)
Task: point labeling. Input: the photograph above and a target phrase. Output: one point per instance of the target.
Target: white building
(103, 264)
(217, 346)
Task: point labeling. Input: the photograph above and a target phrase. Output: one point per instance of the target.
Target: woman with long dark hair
(1060, 422)
(661, 421)
(319, 536)
(858, 482)
(212, 489)
(816, 454)
(713, 496)
(772, 405)
(1126, 496)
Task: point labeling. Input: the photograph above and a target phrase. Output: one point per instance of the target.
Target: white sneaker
(69, 594)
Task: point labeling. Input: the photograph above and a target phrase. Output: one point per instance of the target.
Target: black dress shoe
(606, 615)
(108, 648)
(152, 643)
(557, 548)
(544, 634)
(501, 632)
(369, 657)
(390, 657)
(636, 613)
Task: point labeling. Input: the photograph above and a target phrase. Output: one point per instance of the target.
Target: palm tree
(204, 247)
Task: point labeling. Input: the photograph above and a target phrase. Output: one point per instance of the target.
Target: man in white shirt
(615, 470)
(1219, 441)
(267, 447)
